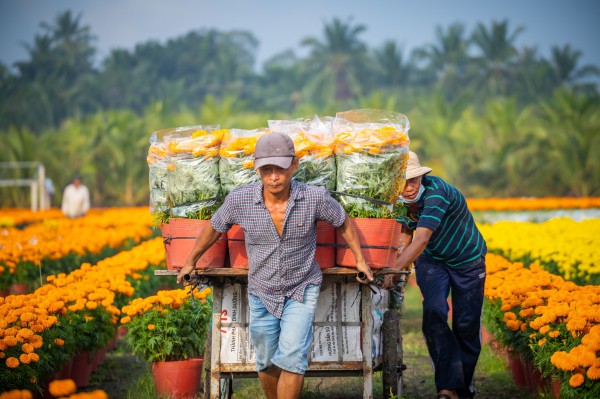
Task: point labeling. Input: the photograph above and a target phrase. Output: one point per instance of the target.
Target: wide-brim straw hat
(414, 168)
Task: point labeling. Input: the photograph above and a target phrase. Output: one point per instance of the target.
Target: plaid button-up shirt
(283, 266)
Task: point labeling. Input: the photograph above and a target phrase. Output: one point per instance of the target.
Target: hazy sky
(281, 25)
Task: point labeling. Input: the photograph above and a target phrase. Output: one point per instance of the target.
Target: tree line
(494, 119)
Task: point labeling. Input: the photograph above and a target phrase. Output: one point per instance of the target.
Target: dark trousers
(453, 351)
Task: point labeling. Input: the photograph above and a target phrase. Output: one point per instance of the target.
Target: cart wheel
(391, 354)
(226, 388)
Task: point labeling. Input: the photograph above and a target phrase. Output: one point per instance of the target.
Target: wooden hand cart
(219, 376)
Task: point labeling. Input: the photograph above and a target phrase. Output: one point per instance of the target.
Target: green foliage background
(491, 118)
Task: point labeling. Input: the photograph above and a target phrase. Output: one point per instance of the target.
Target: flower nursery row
(13, 217)
(561, 245)
(55, 245)
(72, 317)
(551, 323)
(358, 153)
(532, 204)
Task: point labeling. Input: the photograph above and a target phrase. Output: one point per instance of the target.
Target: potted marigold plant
(169, 330)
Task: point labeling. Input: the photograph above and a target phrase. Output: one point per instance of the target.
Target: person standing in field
(440, 236)
(76, 199)
(278, 216)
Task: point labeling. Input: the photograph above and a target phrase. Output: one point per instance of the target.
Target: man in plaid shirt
(278, 216)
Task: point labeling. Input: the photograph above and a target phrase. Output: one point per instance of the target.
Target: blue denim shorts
(283, 343)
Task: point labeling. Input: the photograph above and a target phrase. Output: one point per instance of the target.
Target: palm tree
(72, 40)
(572, 121)
(497, 54)
(336, 62)
(565, 70)
(447, 59)
(392, 70)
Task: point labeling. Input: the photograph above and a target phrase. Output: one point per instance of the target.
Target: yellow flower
(151, 327)
(125, 320)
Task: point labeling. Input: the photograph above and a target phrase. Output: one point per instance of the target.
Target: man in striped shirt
(278, 216)
(440, 236)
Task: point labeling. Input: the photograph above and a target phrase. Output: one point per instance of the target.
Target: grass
(492, 377)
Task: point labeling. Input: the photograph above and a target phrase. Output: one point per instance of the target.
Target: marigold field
(69, 285)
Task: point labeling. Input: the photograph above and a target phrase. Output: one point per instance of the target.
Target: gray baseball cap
(274, 149)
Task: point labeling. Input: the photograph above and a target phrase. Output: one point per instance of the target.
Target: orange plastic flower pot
(82, 367)
(325, 253)
(379, 239)
(180, 240)
(177, 379)
(517, 370)
(238, 258)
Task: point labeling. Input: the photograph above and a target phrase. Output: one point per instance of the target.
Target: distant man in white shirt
(76, 199)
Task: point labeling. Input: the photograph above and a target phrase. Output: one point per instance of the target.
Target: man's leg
(434, 282)
(269, 379)
(467, 304)
(264, 332)
(294, 343)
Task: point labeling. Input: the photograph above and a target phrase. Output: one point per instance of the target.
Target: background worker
(441, 238)
(278, 216)
(76, 199)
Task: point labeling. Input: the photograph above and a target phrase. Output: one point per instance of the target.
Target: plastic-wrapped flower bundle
(371, 149)
(194, 187)
(236, 166)
(313, 140)
(158, 161)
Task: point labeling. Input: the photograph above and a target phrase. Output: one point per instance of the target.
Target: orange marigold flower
(10, 341)
(91, 305)
(27, 317)
(592, 341)
(151, 327)
(125, 320)
(59, 342)
(27, 348)
(541, 342)
(24, 334)
(513, 325)
(12, 362)
(544, 329)
(60, 388)
(34, 357)
(37, 328)
(593, 373)
(510, 316)
(576, 380)
(36, 341)
(576, 324)
(563, 361)
(24, 358)
(554, 334)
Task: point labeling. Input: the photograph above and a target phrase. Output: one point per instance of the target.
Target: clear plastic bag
(192, 169)
(158, 161)
(236, 164)
(313, 142)
(371, 149)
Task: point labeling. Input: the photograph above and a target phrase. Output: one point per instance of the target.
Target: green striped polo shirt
(443, 209)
